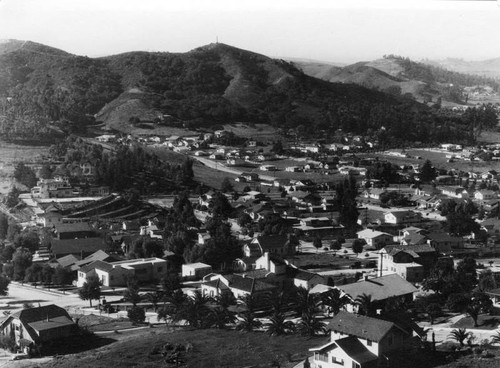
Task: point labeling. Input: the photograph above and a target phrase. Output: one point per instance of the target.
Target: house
(444, 242)
(402, 217)
(293, 169)
(274, 244)
(78, 247)
(402, 262)
(239, 286)
(485, 195)
(52, 215)
(360, 342)
(268, 168)
(381, 289)
(96, 256)
(195, 271)
(73, 230)
(374, 193)
(33, 327)
(306, 279)
(249, 176)
(374, 238)
(117, 273)
(87, 168)
(455, 192)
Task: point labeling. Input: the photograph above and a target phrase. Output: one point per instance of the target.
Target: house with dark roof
(34, 326)
(73, 230)
(402, 261)
(444, 242)
(78, 247)
(381, 289)
(360, 342)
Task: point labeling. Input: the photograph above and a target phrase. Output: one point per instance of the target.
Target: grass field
(211, 348)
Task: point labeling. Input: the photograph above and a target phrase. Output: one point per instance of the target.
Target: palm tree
(131, 294)
(365, 305)
(310, 326)
(278, 300)
(334, 300)
(248, 322)
(495, 339)
(305, 302)
(154, 298)
(195, 310)
(459, 335)
(220, 317)
(278, 325)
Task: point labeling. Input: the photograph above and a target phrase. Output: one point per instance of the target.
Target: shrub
(7, 343)
(136, 315)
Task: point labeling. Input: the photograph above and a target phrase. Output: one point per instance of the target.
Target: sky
(325, 30)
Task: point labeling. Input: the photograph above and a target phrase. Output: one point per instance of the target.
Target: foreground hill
(42, 88)
(398, 75)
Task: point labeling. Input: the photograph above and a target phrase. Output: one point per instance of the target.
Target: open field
(211, 348)
(260, 132)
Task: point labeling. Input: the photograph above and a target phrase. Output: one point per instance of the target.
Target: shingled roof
(360, 326)
(379, 288)
(272, 241)
(356, 350)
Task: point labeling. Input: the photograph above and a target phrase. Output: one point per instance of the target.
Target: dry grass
(211, 348)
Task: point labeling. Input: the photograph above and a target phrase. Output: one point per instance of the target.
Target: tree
(195, 310)
(459, 335)
(486, 281)
(334, 300)
(478, 303)
(131, 294)
(247, 321)
(45, 172)
(136, 315)
(310, 326)
(495, 339)
(154, 298)
(21, 260)
(4, 285)
(91, 289)
(433, 310)
(226, 185)
(278, 325)
(365, 304)
(357, 246)
(427, 172)
(317, 242)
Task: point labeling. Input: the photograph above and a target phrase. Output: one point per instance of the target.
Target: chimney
(48, 317)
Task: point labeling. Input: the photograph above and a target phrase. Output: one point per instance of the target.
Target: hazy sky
(329, 30)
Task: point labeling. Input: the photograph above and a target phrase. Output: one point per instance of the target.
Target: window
(337, 361)
(368, 342)
(355, 365)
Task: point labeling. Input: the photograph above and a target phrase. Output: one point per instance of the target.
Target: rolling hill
(397, 75)
(214, 84)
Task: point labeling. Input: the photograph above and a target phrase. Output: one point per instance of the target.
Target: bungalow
(455, 192)
(360, 342)
(73, 230)
(484, 195)
(293, 169)
(402, 217)
(374, 238)
(40, 325)
(381, 289)
(374, 193)
(306, 279)
(444, 242)
(78, 247)
(239, 286)
(268, 168)
(249, 176)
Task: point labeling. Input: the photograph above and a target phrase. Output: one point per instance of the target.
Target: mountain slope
(213, 84)
(488, 68)
(397, 75)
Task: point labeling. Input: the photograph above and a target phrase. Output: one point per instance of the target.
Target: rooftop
(360, 326)
(380, 288)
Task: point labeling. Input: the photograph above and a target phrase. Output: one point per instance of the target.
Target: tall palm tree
(310, 326)
(334, 300)
(365, 304)
(459, 335)
(154, 298)
(278, 325)
(220, 317)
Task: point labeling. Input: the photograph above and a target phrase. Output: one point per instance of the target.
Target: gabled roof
(76, 246)
(75, 227)
(356, 350)
(248, 284)
(418, 249)
(360, 326)
(67, 261)
(29, 315)
(370, 234)
(271, 241)
(100, 265)
(380, 288)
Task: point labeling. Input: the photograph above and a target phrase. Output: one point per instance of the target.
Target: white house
(195, 271)
(375, 238)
